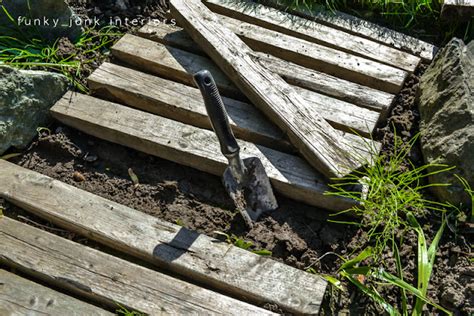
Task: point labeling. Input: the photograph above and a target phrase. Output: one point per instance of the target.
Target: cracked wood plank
(292, 73)
(204, 259)
(106, 279)
(191, 146)
(19, 296)
(314, 138)
(296, 26)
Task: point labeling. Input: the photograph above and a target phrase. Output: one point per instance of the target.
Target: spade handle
(217, 113)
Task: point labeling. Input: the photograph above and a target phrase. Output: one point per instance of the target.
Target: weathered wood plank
(365, 29)
(19, 297)
(315, 56)
(292, 73)
(218, 265)
(105, 82)
(190, 146)
(181, 103)
(107, 279)
(289, 24)
(314, 138)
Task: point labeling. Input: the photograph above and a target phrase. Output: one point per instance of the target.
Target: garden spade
(245, 180)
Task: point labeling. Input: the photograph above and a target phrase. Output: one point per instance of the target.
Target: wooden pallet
(105, 279)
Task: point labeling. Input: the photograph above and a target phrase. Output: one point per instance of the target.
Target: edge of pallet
(207, 260)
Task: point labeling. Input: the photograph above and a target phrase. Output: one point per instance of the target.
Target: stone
(48, 19)
(446, 102)
(25, 100)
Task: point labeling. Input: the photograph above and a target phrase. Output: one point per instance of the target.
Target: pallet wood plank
(292, 73)
(19, 296)
(184, 104)
(363, 28)
(312, 31)
(314, 138)
(237, 272)
(315, 56)
(190, 146)
(181, 103)
(341, 115)
(107, 279)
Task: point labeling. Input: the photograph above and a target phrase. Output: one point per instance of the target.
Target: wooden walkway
(146, 100)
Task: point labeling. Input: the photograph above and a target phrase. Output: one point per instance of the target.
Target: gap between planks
(217, 264)
(19, 296)
(292, 25)
(292, 73)
(105, 279)
(156, 95)
(191, 146)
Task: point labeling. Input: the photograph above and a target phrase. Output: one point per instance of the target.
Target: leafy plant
(353, 268)
(241, 243)
(392, 190)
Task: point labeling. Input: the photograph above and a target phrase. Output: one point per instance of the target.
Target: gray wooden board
(307, 130)
(342, 115)
(289, 24)
(315, 56)
(365, 29)
(292, 73)
(190, 146)
(107, 279)
(185, 104)
(218, 265)
(19, 297)
(181, 103)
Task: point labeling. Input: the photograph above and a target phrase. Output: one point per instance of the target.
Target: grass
(393, 191)
(24, 51)
(393, 199)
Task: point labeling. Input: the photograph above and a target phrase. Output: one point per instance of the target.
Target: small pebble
(90, 158)
(78, 177)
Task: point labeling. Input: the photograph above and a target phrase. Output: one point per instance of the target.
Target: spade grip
(217, 113)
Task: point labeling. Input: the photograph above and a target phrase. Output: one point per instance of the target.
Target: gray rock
(446, 102)
(25, 98)
(49, 19)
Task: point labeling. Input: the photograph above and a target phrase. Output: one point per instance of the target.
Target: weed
(133, 177)
(123, 311)
(241, 243)
(25, 52)
(392, 190)
(352, 270)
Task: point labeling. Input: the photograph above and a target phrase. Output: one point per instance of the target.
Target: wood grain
(315, 56)
(19, 297)
(190, 146)
(292, 25)
(314, 138)
(292, 73)
(216, 264)
(363, 28)
(138, 89)
(181, 103)
(107, 279)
